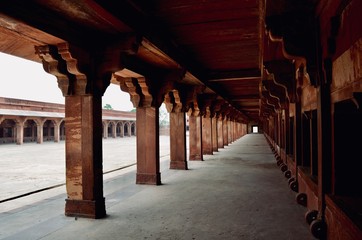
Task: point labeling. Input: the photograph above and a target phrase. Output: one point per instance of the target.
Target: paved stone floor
(30, 167)
(237, 193)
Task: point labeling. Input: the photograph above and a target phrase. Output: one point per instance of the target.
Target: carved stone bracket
(218, 107)
(173, 102)
(53, 64)
(206, 103)
(192, 100)
(302, 45)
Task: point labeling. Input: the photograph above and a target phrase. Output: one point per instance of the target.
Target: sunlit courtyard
(32, 167)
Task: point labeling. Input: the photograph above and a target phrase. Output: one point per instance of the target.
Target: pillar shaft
(105, 130)
(229, 131)
(148, 151)
(206, 136)
(214, 134)
(84, 174)
(225, 131)
(220, 134)
(39, 132)
(195, 138)
(178, 141)
(56, 131)
(20, 133)
(114, 130)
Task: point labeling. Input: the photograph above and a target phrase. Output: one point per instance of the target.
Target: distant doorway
(255, 129)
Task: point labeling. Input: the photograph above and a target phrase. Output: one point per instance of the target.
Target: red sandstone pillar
(147, 128)
(206, 134)
(220, 135)
(225, 131)
(214, 134)
(83, 126)
(105, 129)
(20, 131)
(195, 138)
(148, 155)
(56, 130)
(114, 130)
(178, 141)
(129, 130)
(229, 131)
(84, 173)
(39, 130)
(122, 129)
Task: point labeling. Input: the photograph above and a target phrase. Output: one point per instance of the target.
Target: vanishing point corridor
(236, 193)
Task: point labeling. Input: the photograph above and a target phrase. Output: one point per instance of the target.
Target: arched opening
(126, 129)
(110, 129)
(119, 129)
(62, 130)
(7, 131)
(48, 131)
(133, 129)
(30, 131)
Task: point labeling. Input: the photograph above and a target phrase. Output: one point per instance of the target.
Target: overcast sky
(24, 79)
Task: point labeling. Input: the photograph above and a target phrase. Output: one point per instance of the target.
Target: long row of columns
(20, 124)
(114, 129)
(83, 122)
(21, 121)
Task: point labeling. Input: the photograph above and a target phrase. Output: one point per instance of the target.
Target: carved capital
(78, 79)
(137, 86)
(192, 100)
(173, 102)
(52, 65)
(19, 121)
(40, 121)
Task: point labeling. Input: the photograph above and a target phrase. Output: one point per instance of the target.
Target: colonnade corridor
(237, 193)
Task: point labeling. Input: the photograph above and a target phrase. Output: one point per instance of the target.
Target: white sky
(24, 79)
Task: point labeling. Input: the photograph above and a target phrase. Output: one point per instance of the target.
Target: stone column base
(147, 178)
(196, 157)
(85, 208)
(181, 165)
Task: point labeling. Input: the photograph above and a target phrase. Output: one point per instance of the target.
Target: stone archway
(127, 129)
(7, 131)
(120, 130)
(48, 130)
(30, 131)
(133, 129)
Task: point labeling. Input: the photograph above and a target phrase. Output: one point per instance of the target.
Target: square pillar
(195, 138)
(83, 146)
(20, 132)
(178, 141)
(225, 131)
(220, 134)
(206, 136)
(105, 129)
(56, 131)
(148, 150)
(229, 131)
(214, 134)
(114, 130)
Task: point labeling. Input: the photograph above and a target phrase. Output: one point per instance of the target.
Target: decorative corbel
(174, 101)
(54, 64)
(192, 100)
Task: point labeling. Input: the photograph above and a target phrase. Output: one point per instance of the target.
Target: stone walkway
(237, 193)
(31, 167)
